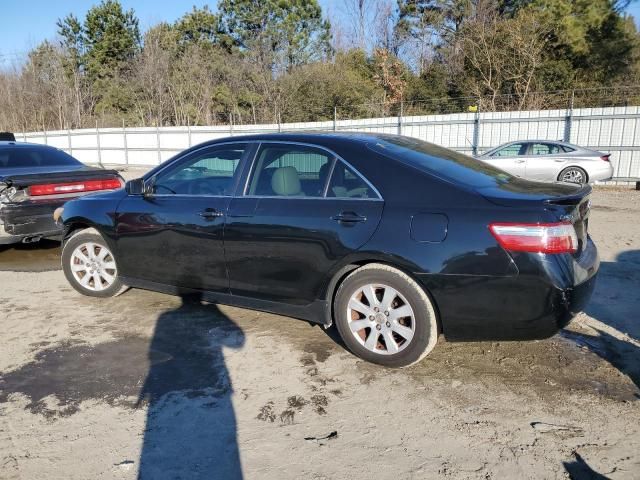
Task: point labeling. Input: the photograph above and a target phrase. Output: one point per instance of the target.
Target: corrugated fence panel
(614, 130)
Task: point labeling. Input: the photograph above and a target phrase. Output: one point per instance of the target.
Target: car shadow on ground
(39, 256)
(615, 305)
(190, 428)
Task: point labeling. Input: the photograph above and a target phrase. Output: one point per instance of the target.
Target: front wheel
(90, 266)
(385, 317)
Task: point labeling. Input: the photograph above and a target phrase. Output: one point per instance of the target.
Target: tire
(411, 337)
(101, 275)
(578, 174)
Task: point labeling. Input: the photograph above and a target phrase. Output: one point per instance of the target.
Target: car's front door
(302, 211)
(545, 161)
(510, 158)
(174, 234)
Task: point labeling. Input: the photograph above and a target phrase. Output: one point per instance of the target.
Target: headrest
(286, 182)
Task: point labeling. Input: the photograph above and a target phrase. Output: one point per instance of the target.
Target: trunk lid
(567, 202)
(21, 178)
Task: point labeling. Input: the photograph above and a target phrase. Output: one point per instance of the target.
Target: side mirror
(135, 187)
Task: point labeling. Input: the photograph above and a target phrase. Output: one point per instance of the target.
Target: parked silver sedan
(551, 161)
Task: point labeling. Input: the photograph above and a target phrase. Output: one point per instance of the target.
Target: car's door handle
(349, 217)
(560, 160)
(210, 213)
(520, 161)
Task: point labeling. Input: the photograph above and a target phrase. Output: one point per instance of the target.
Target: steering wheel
(203, 187)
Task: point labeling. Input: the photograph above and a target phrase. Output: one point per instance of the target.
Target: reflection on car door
(545, 161)
(510, 158)
(302, 211)
(174, 235)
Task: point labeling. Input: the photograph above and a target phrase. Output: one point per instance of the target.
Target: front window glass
(211, 172)
(290, 171)
(510, 150)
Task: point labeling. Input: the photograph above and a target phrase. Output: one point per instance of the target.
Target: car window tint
(290, 171)
(510, 151)
(544, 149)
(22, 157)
(439, 161)
(211, 172)
(346, 183)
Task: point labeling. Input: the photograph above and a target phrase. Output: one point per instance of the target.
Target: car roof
(305, 137)
(23, 144)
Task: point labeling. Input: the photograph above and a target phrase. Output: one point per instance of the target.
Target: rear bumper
(534, 304)
(22, 220)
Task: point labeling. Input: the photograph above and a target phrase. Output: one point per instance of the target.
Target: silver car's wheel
(90, 266)
(93, 266)
(573, 175)
(381, 319)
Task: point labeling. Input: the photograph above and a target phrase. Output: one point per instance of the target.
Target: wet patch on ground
(544, 366)
(42, 256)
(183, 355)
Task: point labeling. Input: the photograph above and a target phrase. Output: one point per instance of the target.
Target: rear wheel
(573, 175)
(90, 266)
(385, 317)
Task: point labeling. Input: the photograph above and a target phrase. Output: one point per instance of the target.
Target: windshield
(440, 161)
(23, 157)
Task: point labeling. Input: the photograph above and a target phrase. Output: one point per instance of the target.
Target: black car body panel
(23, 217)
(287, 255)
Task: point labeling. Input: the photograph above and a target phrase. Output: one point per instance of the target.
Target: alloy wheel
(93, 266)
(573, 175)
(381, 319)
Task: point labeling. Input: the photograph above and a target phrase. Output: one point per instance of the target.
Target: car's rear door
(301, 212)
(174, 235)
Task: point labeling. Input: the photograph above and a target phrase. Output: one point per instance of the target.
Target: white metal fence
(614, 130)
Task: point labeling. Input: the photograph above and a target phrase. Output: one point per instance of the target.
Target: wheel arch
(586, 172)
(346, 269)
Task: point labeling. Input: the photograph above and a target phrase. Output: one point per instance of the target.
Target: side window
(346, 183)
(512, 150)
(287, 170)
(544, 149)
(211, 172)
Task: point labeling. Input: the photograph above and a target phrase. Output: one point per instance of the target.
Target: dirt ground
(154, 386)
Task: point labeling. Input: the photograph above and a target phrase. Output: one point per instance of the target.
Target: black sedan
(391, 239)
(37, 179)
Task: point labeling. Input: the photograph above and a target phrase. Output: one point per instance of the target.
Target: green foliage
(253, 61)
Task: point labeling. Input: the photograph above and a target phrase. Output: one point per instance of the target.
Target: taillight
(74, 187)
(605, 157)
(536, 237)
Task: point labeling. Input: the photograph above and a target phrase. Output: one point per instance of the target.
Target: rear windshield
(21, 157)
(440, 161)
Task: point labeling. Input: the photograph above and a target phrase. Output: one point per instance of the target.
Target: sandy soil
(148, 384)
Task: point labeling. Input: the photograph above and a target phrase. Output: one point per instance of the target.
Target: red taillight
(74, 187)
(605, 157)
(536, 237)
